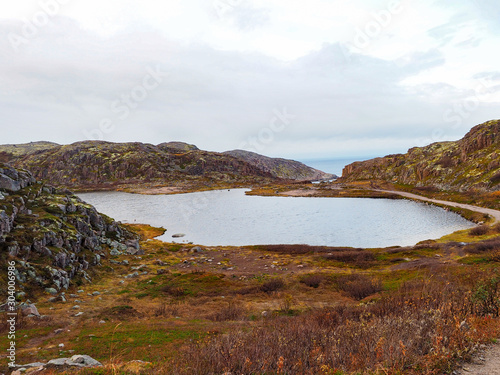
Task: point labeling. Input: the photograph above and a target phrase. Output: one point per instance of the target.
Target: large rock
(30, 310)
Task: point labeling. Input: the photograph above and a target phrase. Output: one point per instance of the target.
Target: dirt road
(493, 213)
(486, 362)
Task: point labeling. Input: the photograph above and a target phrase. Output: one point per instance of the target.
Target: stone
(96, 294)
(76, 307)
(464, 326)
(78, 314)
(29, 310)
(85, 360)
(51, 290)
(20, 294)
(178, 235)
(58, 362)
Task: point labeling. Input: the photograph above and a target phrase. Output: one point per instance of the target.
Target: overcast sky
(298, 79)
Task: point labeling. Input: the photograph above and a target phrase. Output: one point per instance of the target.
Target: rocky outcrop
(59, 364)
(54, 237)
(281, 168)
(472, 163)
(178, 147)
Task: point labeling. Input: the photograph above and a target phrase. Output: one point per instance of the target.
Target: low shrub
(358, 286)
(312, 281)
(173, 291)
(480, 230)
(232, 311)
(358, 258)
(272, 285)
(483, 246)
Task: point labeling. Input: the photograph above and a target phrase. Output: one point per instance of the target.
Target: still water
(229, 217)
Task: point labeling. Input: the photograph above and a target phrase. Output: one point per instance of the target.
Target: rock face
(281, 168)
(54, 237)
(104, 165)
(472, 163)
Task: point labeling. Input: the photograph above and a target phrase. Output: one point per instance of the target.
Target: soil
(486, 362)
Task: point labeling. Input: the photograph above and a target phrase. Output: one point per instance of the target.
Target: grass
(344, 310)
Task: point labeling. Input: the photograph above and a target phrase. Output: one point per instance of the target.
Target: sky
(284, 78)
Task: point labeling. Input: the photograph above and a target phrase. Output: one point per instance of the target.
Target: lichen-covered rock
(470, 163)
(52, 235)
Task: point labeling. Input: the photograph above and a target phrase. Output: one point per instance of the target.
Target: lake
(229, 217)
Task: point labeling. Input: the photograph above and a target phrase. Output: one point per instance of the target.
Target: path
(486, 362)
(493, 213)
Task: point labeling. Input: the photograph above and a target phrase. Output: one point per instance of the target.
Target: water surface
(225, 217)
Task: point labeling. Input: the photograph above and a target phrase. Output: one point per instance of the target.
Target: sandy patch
(299, 193)
(160, 190)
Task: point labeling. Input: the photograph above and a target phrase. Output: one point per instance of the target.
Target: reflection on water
(225, 217)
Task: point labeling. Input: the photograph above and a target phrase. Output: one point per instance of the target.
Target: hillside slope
(53, 236)
(105, 165)
(281, 168)
(471, 163)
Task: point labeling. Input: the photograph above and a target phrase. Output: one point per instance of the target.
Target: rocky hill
(7, 152)
(471, 163)
(281, 168)
(98, 165)
(54, 237)
(104, 165)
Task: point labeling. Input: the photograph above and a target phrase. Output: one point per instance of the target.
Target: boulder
(29, 310)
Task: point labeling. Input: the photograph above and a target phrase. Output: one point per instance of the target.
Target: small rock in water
(178, 235)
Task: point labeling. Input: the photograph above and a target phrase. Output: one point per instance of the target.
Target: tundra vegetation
(276, 309)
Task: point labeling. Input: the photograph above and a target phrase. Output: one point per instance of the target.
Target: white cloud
(229, 72)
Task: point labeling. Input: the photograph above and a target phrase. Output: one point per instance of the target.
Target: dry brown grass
(416, 330)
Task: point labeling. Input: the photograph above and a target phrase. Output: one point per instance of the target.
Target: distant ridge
(281, 168)
(471, 163)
